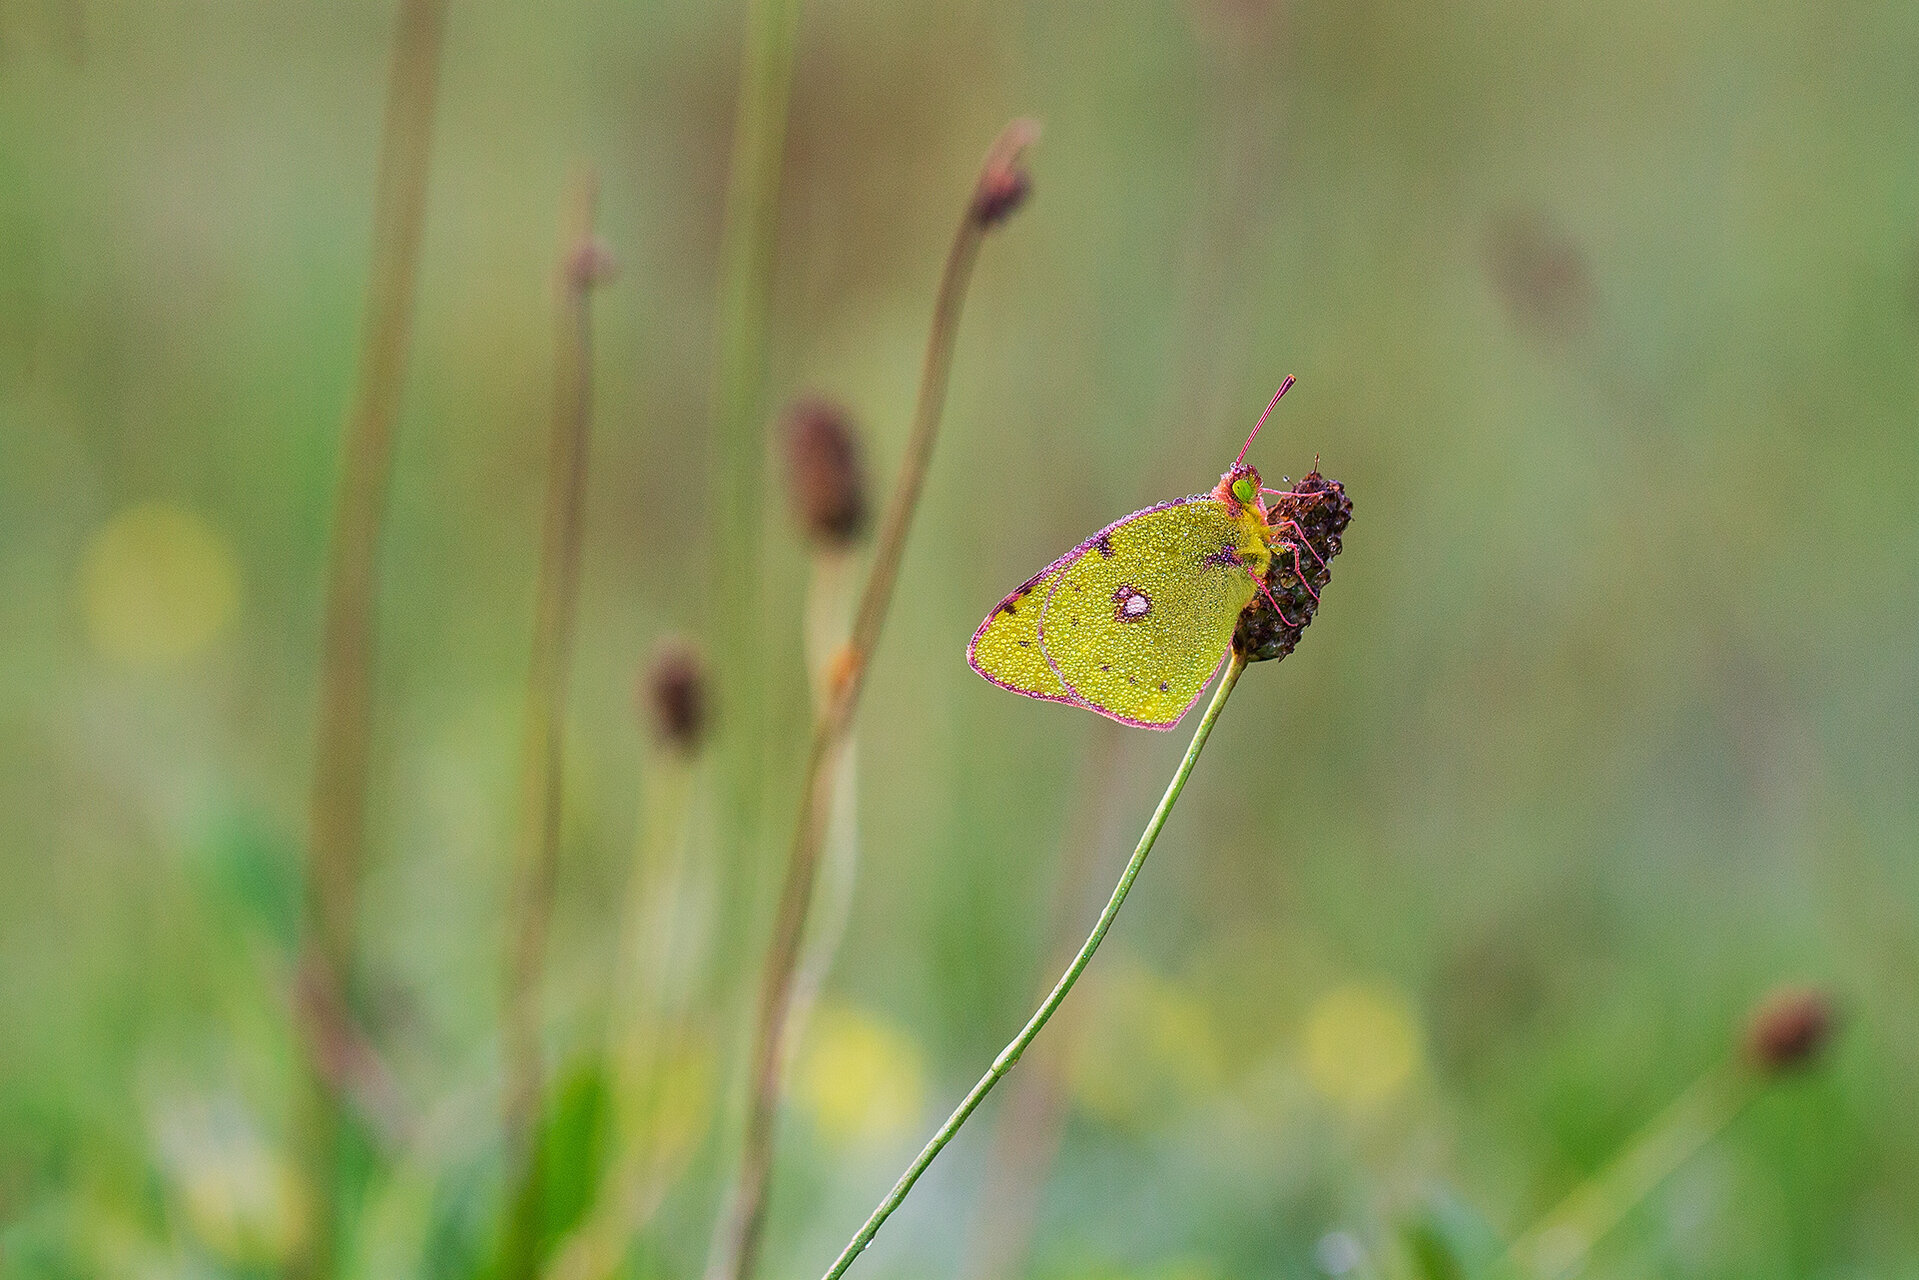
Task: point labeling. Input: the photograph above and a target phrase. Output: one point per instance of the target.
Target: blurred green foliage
(1607, 316)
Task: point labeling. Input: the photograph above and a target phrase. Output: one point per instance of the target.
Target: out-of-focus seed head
(1540, 272)
(591, 263)
(1789, 1027)
(1240, 28)
(1307, 523)
(675, 697)
(1004, 182)
(823, 471)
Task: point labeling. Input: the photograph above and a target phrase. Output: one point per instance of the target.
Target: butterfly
(1134, 622)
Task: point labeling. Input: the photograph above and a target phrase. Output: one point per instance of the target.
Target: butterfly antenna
(1262, 419)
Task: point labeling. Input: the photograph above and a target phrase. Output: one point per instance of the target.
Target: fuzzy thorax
(1238, 491)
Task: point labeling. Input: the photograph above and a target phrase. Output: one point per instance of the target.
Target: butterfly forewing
(1136, 622)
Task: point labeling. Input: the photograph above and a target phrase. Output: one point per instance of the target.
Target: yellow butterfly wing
(1137, 619)
(1006, 649)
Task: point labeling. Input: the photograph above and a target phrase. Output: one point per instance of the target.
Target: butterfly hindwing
(1006, 648)
(1136, 621)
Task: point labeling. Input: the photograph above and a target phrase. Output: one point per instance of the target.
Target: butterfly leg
(1308, 544)
(1259, 581)
(1295, 525)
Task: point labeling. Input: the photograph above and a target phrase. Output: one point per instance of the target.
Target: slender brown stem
(541, 764)
(829, 608)
(337, 801)
(352, 1065)
(736, 1246)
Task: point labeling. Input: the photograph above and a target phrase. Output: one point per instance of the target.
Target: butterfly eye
(1243, 488)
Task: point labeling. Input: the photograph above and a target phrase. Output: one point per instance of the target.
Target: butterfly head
(1239, 488)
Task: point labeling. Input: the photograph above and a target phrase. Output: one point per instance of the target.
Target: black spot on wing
(1104, 543)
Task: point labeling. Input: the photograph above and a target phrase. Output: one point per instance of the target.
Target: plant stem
(646, 1024)
(1026, 1136)
(1011, 1053)
(1560, 1243)
(749, 225)
(337, 801)
(829, 605)
(542, 756)
(736, 1244)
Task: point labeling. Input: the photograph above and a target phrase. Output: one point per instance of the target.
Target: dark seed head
(590, 263)
(675, 696)
(1789, 1027)
(1306, 524)
(824, 472)
(1540, 273)
(1004, 182)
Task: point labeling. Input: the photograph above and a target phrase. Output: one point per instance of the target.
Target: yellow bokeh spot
(1362, 1045)
(1150, 1046)
(863, 1081)
(237, 1195)
(685, 1102)
(158, 584)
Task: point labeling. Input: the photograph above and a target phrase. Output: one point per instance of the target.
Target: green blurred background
(1607, 316)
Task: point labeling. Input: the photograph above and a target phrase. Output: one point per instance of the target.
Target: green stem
(646, 1026)
(1011, 1053)
(542, 773)
(749, 225)
(1559, 1244)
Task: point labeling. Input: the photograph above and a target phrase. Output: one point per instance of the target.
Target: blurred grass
(1606, 725)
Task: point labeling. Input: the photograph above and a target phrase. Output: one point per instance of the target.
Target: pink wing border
(1024, 590)
(1019, 594)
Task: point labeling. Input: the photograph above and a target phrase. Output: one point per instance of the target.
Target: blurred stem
(829, 611)
(828, 616)
(1560, 1244)
(1026, 1136)
(750, 224)
(736, 1244)
(541, 760)
(337, 801)
(348, 1059)
(1011, 1053)
(646, 1025)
